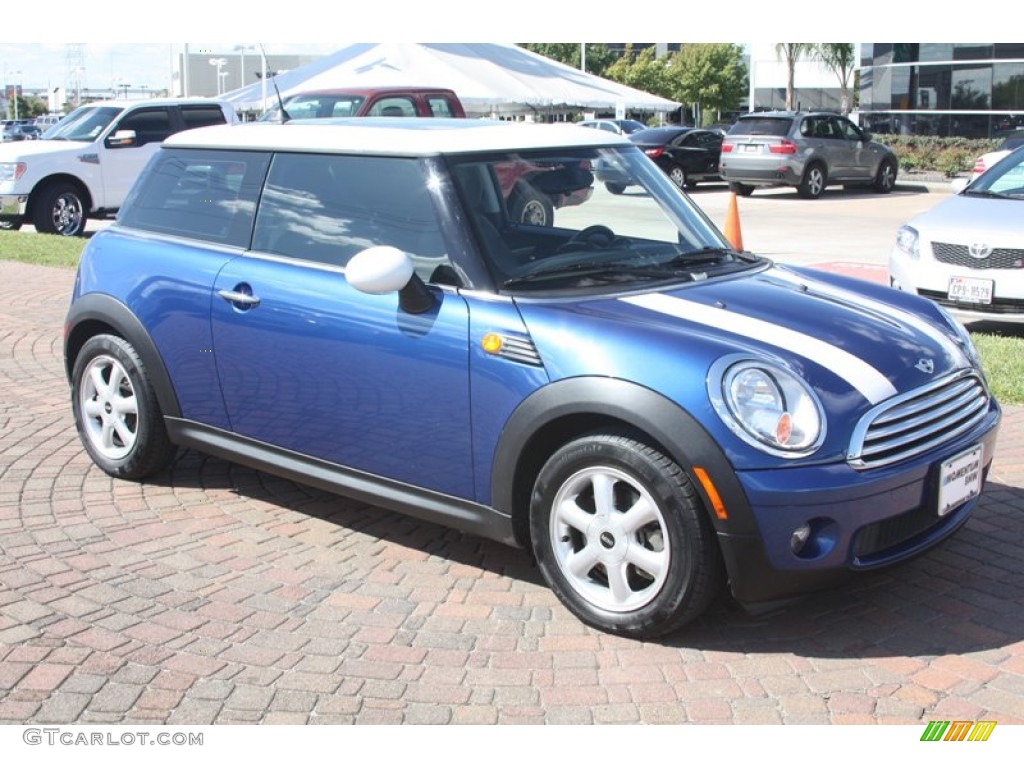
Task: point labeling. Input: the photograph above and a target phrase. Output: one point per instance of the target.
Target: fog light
(799, 538)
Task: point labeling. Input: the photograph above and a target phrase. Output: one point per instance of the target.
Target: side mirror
(959, 185)
(121, 139)
(866, 136)
(384, 269)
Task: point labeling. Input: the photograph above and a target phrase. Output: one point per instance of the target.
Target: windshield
(84, 124)
(586, 219)
(1004, 179)
(306, 106)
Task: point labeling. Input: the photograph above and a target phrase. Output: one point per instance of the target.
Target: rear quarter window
(761, 126)
(201, 115)
(200, 194)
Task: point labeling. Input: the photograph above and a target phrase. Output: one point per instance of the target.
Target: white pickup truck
(87, 163)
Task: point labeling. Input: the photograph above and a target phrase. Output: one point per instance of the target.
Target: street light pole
(219, 64)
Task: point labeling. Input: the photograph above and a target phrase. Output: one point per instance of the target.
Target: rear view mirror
(384, 269)
(122, 139)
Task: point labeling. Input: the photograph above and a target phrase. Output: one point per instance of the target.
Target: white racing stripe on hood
(865, 378)
(908, 319)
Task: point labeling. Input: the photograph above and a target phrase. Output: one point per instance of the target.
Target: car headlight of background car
(907, 240)
(767, 406)
(12, 171)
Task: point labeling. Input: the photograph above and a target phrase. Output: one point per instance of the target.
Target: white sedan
(967, 253)
(989, 159)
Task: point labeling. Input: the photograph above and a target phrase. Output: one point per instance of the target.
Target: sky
(113, 53)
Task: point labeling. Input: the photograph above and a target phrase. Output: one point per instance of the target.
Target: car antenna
(285, 117)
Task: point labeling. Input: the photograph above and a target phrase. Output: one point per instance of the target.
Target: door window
(149, 125)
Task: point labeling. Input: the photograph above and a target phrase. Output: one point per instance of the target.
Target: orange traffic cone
(732, 224)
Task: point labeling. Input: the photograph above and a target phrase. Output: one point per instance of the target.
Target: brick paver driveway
(216, 594)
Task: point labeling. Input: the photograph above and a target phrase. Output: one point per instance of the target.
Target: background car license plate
(960, 479)
(971, 289)
(750, 147)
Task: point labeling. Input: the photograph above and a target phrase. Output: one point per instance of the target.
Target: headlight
(12, 171)
(767, 406)
(907, 241)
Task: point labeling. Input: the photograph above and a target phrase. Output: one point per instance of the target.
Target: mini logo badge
(925, 365)
(980, 250)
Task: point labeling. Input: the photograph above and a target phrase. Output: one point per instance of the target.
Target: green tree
(841, 59)
(791, 53)
(644, 71)
(599, 55)
(711, 75)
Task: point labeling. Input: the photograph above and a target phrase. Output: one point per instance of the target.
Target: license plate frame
(960, 479)
(971, 290)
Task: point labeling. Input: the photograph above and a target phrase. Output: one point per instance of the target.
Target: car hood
(855, 343)
(20, 150)
(963, 218)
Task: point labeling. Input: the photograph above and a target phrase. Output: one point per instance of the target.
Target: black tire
(677, 174)
(528, 205)
(615, 189)
(812, 185)
(667, 564)
(59, 209)
(116, 412)
(743, 190)
(10, 225)
(885, 179)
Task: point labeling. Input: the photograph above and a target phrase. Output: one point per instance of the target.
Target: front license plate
(960, 479)
(971, 289)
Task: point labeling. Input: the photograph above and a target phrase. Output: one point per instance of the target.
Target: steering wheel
(594, 236)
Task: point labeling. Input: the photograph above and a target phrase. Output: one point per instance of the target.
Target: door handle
(237, 297)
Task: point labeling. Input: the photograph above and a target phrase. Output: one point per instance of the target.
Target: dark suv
(806, 150)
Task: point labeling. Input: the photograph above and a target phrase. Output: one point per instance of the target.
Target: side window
(198, 115)
(204, 194)
(393, 106)
(440, 106)
(149, 125)
(849, 131)
(611, 127)
(327, 208)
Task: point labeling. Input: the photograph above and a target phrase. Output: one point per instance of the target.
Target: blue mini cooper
(651, 412)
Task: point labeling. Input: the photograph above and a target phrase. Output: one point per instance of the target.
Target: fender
(597, 399)
(102, 311)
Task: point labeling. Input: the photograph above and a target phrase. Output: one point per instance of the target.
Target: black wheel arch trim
(406, 499)
(595, 401)
(101, 312)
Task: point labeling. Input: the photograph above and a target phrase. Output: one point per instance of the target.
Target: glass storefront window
(1008, 86)
(935, 52)
(972, 51)
(972, 87)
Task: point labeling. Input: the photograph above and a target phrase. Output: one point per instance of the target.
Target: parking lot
(217, 594)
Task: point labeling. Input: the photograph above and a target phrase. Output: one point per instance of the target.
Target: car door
(863, 159)
(122, 159)
(309, 364)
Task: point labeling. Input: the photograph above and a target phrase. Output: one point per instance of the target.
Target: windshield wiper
(985, 193)
(702, 256)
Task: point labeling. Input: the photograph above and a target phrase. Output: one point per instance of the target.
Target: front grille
(918, 421)
(997, 307)
(1000, 258)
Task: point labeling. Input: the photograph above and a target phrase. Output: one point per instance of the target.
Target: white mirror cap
(380, 269)
(959, 185)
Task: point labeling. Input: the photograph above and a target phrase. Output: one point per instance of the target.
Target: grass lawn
(1002, 355)
(49, 250)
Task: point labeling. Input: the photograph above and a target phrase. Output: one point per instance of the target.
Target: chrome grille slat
(959, 255)
(918, 421)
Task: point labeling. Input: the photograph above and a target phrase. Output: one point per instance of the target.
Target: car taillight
(654, 151)
(784, 147)
(979, 166)
(726, 147)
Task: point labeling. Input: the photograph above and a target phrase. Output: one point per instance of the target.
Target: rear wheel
(678, 176)
(813, 182)
(527, 205)
(743, 190)
(622, 538)
(116, 410)
(615, 189)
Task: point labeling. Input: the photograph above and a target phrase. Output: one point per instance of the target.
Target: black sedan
(687, 155)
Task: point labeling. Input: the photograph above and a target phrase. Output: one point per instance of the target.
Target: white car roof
(125, 103)
(392, 136)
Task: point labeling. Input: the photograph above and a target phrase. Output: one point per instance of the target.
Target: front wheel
(885, 179)
(743, 190)
(116, 411)
(622, 538)
(615, 189)
(59, 209)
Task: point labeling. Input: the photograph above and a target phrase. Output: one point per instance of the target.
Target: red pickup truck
(531, 192)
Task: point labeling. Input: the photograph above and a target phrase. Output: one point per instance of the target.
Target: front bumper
(860, 520)
(930, 278)
(13, 206)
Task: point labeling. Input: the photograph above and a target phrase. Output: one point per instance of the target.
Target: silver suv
(806, 150)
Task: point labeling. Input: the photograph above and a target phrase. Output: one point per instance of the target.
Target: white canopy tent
(489, 78)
